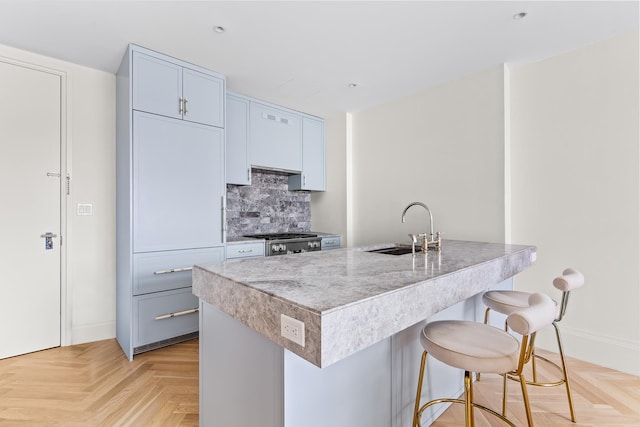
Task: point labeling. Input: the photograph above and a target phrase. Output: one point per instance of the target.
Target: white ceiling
(304, 54)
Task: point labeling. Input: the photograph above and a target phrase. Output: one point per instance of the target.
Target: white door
(30, 199)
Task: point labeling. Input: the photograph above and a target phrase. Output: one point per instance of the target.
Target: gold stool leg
(416, 421)
(533, 367)
(504, 395)
(525, 397)
(564, 372)
(468, 396)
(486, 322)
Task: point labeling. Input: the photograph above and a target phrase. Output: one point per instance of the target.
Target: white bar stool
(476, 347)
(507, 302)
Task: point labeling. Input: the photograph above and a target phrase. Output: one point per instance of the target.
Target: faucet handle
(414, 240)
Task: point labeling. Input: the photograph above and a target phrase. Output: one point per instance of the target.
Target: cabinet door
(204, 98)
(178, 181)
(245, 250)
(275, 138)
(164, 315)
(313, 152)
(237, 139)
(156, 85)
(166, 270)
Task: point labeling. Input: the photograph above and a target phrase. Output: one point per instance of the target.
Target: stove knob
(283, 247)
(274, 248)
(317, 244)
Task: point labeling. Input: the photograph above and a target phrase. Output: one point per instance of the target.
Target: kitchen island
(361, 311)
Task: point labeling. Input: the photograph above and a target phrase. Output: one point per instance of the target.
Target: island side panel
(241, 374)
(355, 391)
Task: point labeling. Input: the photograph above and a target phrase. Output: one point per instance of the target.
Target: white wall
(574, 188)
(90, 240)
(443, 146)
(575, 191)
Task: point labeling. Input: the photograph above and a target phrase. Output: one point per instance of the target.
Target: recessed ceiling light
(352, 85)
(219, 29)
(519, 16)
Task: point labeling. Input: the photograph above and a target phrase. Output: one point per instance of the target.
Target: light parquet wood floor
(95, 385)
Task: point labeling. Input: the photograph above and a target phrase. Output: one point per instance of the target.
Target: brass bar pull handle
(179, 313)
(173, 270)
(186, 110)
(181, 106)
(245, 251)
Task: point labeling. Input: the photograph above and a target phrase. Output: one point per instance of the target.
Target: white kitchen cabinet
(313, 157)
(269, 137)
(245, 250)
(237, 143)
(177, 199)
(275, 137)
(169, 194)
(331, 242)
(163, 86)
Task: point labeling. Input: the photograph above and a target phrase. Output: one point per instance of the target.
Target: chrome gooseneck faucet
(427, 239)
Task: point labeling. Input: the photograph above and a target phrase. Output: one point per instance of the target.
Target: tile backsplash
(267, 206)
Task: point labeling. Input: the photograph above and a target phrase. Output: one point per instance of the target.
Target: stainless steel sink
(395, 250)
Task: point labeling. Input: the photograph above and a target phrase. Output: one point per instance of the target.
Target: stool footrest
(475, 405)
(545, 383)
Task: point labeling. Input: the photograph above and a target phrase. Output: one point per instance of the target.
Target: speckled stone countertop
(349, 298)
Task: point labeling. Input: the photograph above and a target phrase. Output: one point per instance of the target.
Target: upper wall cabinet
(169, 89)
(237, 132)
(266, 136)
(275, 138)
(313, 157)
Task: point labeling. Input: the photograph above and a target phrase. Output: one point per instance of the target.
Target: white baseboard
(615, 353)
(93, 332)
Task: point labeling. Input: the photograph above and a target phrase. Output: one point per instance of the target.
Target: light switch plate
(85, 209)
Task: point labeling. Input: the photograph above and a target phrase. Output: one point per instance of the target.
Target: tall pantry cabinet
(170, 194)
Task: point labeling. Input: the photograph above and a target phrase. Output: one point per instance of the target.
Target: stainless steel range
(289, 243)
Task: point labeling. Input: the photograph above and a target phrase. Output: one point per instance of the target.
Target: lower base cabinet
(164, 315)
(331, 243)
(155, 306)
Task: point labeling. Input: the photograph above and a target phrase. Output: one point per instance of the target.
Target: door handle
(48, 240)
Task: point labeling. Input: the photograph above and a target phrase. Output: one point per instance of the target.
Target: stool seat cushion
(506, 302)
(472, 346)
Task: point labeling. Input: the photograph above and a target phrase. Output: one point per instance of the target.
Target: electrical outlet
(292, 329)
